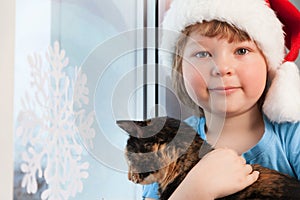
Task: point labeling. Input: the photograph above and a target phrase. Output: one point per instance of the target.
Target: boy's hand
(225, 172)
(219, 173)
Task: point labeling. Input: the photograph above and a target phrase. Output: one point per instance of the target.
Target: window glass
(76, 71)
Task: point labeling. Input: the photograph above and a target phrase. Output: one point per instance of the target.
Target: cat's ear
(126, 125)
(143, 129)
(131, 128)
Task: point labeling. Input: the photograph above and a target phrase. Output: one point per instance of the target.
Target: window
(79, 66)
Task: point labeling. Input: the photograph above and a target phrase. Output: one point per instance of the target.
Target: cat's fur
(164, 150)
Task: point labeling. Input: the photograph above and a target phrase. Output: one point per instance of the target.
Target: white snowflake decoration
(49, 127)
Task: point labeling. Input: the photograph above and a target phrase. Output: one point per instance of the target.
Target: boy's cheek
(192, 71)
(195, 85)
(254, 85)
(194, 78)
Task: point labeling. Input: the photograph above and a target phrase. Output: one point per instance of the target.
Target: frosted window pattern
(48, 129)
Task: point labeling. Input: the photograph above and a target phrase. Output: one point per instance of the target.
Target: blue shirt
(278, 149)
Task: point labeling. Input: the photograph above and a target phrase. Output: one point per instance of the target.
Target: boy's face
(223, 77)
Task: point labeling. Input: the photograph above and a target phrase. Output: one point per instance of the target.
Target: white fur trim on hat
(282, 103)
(251, 16)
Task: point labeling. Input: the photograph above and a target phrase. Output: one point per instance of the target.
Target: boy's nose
(222, 67)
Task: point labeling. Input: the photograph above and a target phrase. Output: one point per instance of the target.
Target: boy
(223, 59)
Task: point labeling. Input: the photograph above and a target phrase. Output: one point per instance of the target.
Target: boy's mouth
(224, 90)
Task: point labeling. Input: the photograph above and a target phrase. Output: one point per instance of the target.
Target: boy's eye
(242, 51)
(202, 54)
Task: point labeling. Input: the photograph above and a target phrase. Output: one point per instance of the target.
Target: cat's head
(153, 145)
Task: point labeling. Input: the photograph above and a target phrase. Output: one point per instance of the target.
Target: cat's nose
(134, 177)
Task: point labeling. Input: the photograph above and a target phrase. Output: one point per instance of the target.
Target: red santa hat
(273, 24)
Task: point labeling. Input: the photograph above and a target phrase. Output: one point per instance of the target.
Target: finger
(248, 169)
(251, 178)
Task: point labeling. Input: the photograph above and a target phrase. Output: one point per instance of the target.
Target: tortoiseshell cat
(164, 150)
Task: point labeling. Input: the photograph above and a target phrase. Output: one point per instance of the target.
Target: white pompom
(282, 103)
